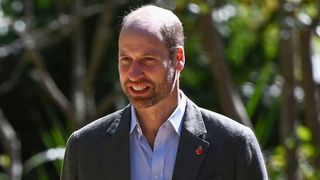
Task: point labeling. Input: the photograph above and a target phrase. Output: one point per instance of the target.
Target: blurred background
(256, 61)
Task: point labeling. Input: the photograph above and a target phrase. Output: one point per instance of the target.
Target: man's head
(151, 56)
(168, 24)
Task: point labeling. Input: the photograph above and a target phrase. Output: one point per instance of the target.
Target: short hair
(170, 26)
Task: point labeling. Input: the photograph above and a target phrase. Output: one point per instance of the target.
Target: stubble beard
(157, 92)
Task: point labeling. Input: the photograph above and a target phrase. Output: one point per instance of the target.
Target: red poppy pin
(199, 150)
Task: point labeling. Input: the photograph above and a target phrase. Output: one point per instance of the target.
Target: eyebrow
(122, 53)
(153, 52)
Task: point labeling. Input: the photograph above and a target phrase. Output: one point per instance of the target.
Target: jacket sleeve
(69, 170)
(250, 162)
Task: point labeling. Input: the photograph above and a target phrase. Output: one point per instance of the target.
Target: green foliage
(50, 155)
(264, 77)
(304, 134)
(305, 153)
(3, 176)
(316, 44)
(251, 36)
(242, 35)
(5, 160)
(309, 8)
(44, 4)
(276, 163)
(265, 125)
(41, 172)
(270, 42)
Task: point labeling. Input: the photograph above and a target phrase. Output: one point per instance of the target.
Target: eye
(125, 60)
(149, 59)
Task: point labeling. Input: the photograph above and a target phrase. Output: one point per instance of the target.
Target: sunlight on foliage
(243, 37)
(264, 126)
(270, 39)
(43, 157)
(310, 9)
(269, 6)
(4, 160)
(276, 163)
(316, 41)
(264, 77)
(303, 133)
(305, 153)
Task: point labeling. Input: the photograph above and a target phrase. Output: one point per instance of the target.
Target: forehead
(147, 27)
(140, 37)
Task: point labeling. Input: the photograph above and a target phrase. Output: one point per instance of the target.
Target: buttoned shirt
(157, 163)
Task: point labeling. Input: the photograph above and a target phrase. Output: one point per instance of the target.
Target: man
(161, 134)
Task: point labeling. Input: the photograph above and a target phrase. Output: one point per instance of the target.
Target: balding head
(163, 21)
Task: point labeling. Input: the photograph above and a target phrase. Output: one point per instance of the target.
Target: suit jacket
(100, 150)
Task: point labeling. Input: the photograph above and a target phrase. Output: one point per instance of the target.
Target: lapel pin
(199, 151)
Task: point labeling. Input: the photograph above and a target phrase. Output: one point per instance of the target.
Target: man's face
(147, 74)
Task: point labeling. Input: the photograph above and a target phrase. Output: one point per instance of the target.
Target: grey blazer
(100, 150)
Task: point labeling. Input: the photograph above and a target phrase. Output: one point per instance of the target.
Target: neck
(151, 119)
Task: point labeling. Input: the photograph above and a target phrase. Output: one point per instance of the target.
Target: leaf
(4, 161)
(265, 125)
(304, 133)
(3, 176)
(265, 75)
(38, 159)
(44, 4)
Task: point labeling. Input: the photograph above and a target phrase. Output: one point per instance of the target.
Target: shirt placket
(158, 154)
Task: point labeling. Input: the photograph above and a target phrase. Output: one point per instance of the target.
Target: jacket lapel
(192, 145)
(119, 146)
(191, 150)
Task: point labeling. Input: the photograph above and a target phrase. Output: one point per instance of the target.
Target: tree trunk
(287, 117)
(229, 99)
(311, 99)
(79, 98)
(100, 40)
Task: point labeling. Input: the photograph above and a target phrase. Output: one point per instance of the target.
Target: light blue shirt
(148, 164)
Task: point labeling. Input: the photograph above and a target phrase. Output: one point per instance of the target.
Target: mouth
(139, 89)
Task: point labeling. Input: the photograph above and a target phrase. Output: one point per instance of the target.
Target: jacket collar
(192, 147)
(119, 143)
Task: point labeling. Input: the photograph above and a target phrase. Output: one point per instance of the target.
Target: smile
(139, 88)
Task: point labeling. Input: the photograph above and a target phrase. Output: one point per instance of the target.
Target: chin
(143, 103)
(139, 105)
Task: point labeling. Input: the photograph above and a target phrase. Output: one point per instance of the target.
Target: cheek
(121, 75)
(122, 70)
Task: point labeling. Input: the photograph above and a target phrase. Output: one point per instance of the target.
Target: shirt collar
(134, 121)
(175, 118)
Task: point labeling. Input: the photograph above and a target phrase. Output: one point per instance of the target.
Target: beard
(155, 91)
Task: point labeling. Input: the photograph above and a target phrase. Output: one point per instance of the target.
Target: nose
(136, 71)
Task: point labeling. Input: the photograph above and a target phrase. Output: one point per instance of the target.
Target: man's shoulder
(100, 125)
(220, 119)
(219, 124)
(216, 123)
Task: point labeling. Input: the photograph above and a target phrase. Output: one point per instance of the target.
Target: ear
(180, 59)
